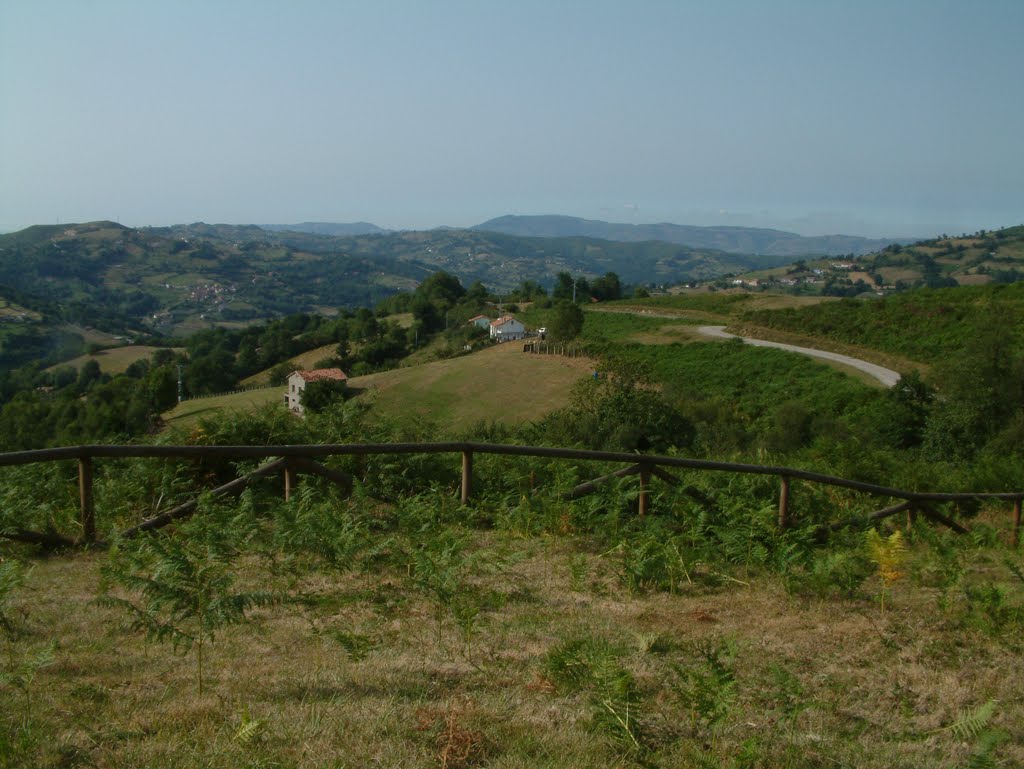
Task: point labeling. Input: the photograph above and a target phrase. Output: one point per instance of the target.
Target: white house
(507, 328)
(297, 381)
(481, 321)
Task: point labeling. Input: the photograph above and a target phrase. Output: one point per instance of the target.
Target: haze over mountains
(328, 228)
(745, 240)
(741, 240)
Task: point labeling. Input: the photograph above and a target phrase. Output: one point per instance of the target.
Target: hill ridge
(730, 238)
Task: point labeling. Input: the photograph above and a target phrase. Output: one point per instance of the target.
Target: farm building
(481, 321)
(507, 328)
(298, 380)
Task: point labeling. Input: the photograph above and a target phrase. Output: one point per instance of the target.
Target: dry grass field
(116, 360)
(527, 651)
(500, 384)
(190, 411)
(305, 361)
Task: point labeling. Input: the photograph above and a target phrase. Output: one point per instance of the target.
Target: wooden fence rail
(291, 459)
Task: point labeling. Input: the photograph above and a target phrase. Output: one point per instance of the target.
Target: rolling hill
(498, 384)
(995, 256)
(187, 277)
(328, 228)
(747, 240)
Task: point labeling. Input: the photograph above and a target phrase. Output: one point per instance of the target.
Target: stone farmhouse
(298, 380)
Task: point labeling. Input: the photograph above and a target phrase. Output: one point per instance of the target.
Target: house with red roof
(298, 380)
(507, 328)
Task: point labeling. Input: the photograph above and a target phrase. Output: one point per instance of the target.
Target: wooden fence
(554, 348)
(293, 459)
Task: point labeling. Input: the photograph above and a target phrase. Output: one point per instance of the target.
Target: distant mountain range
(744, 240)
(328, 228)
(736, 240)
(185, 277)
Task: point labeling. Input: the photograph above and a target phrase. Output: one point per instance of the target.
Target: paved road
(888, 377)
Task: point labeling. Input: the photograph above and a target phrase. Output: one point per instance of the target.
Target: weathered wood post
(85, 499)
(467, 476)
(645, 483)
(784, 503)
(911, 518)
(291, 480)
(1016, 521)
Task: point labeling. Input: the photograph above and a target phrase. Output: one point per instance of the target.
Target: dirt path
(886, 376)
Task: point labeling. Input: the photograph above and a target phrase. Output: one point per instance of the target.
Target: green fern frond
(248, 730)
(970, 724)
(1015, 570)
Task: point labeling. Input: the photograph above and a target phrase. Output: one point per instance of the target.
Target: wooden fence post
(911, 518)
(85, 499)
(290, 480)
(784, 503)
(467, 476)
(645, 483)
(1016, 521)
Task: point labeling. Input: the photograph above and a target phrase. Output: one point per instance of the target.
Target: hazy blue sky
(875, 118)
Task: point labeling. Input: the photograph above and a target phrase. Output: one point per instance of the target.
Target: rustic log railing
(293, 459)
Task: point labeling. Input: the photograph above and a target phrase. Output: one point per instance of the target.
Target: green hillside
(140, 280)
(925, 325)
(986, 257)
(503, 261)
(182, 279)
(755, 240)
(497, 384)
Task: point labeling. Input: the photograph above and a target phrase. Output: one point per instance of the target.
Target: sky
(880, 118)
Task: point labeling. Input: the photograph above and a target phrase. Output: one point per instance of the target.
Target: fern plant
(21, 674)
(181, 592)
(975, 728)
(20, 669)
(888, 555)
(437, 568)
(591, 664)
(708, 688)
(12, 576)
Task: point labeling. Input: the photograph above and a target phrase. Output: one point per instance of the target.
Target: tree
(607, 288)
(320, 394)
(566, 322)
(441, 288)
(563, 286)
(426, 312)
(529, 290)
(88, 374)
(478, 293)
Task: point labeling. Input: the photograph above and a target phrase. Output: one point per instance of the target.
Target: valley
(559, 610)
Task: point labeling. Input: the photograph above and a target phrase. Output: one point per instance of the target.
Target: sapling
(181, 592)
(888, 554)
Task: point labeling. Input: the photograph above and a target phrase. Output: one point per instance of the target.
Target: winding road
(886, 376)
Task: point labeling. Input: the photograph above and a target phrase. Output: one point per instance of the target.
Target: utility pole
(181, 386)
(574, 290)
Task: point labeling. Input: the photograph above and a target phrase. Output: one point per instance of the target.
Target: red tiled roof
(502, 320)
(322, 373)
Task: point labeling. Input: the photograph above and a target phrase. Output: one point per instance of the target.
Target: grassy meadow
(499, 383)
(115, 360)
(527, 633)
